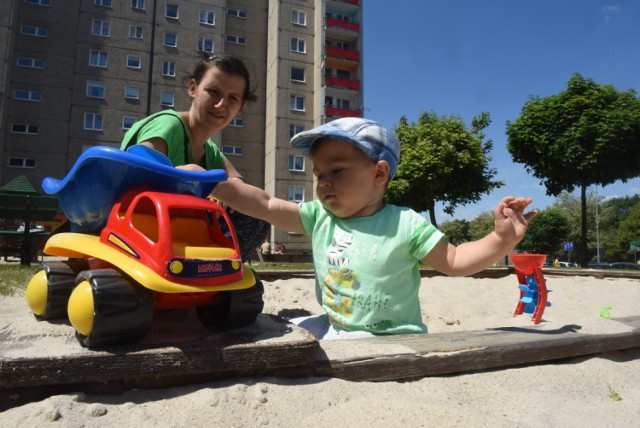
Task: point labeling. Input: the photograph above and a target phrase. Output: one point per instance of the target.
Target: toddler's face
(346, 179)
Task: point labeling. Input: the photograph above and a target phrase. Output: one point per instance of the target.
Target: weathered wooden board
(36, 355)
(40, 358)
(414, 356)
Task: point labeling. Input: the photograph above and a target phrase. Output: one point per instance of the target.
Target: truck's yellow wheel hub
(36, 293)
(80, 308)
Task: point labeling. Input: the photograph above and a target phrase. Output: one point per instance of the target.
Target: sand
(593, 391)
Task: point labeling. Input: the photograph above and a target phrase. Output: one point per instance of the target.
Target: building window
(24, 95)
(39, 2)
(171, 40)
(239, 40)
(166, 99)
(135, 32)
(100, 28)
(237, 121)
(131, 92)
(296, 163)
(171, 11)
(23, 128)
(103, 3)
(133, 61)
(205, 45)
(137, 4)
(237, 13)
(232, 150)
(298, 17)
(169, 68)
(32, 30)
(296, 103)
(93, 122)
(21, 163)
(98, 59)
(30, 62)
(342, 104)
(297, 74)
(95, 89)
(298, 45)
(343, 74)
(127, 122)
(296, 193)
(295, 129)
(207, 17)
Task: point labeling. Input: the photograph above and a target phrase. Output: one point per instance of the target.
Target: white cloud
(607, 10)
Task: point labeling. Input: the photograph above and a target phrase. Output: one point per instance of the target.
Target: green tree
(621, 226)
(630, 229)
(546, 233)
(587, 134)
(456, 231)
(482, 225)
(442, 160)
(571, 206)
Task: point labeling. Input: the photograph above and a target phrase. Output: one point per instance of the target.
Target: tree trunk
(432, 213)
(582, 248)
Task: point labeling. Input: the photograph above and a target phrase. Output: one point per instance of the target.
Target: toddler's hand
(510, 221)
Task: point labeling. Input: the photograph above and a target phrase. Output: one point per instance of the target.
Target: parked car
(568, 264)
(614, 265)
(599, 265)
(624, 265)
(32, 228)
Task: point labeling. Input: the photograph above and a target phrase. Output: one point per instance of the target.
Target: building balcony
(337, 82)
(343, 53)
(353, 2)
(344, 25)
(331, 111)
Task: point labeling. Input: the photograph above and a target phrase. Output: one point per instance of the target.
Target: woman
(219, 87)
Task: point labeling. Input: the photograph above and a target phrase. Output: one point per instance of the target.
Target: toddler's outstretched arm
(510, 226)
(255, 202)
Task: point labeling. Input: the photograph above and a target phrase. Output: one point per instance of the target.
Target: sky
(464, 57)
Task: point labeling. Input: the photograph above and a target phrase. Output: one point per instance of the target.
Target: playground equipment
(532, 285)
(145, 237)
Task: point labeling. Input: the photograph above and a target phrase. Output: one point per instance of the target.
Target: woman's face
(217, 99)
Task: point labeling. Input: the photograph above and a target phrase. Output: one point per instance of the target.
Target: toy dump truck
(153, 243)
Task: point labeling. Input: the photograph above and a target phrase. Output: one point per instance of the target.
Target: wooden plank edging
(416, 356)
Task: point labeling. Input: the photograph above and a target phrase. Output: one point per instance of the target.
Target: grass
(14, 278)
(280, 266)
(614, 395)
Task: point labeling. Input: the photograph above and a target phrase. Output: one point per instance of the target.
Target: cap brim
(304, 140)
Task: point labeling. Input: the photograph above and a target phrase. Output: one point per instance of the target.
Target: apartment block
(78, 73)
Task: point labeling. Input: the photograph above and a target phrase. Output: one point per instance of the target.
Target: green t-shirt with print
(169, 126)
(367, 268)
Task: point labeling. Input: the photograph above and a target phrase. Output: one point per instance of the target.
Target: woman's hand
(191, 167)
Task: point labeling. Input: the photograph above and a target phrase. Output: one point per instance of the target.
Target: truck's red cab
(177, 236)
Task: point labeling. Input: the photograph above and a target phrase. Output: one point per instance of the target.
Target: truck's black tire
(123, 309)
(235, 308)
(61, 280)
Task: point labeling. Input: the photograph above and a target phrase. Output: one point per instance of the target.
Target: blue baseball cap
(376, 141)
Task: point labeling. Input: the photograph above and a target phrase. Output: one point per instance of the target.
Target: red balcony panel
(343, 53)
(345, 25)
(341, 112)
(337, 82)
(356, 2)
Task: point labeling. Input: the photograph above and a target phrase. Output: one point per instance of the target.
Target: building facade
(79, 73)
